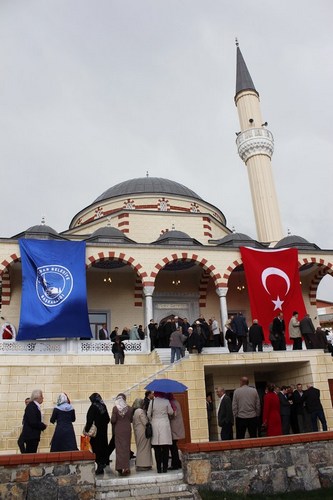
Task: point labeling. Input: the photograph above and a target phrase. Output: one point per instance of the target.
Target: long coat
(64, 436)
(122, 432)
(271, 414)
(143, 445)
(159, 411)
(177, 423)
(99, 443)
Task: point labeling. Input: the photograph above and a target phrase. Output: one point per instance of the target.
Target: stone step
(165, 355)
(158, 486)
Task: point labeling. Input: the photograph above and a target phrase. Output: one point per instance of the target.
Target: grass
(323, 494)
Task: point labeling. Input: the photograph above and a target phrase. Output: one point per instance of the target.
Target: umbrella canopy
(166, 385)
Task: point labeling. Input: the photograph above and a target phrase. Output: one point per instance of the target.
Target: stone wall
(67, 475)
(264, 465)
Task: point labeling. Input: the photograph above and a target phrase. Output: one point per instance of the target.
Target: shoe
(99, 470)
(165, 470)
(159, 471)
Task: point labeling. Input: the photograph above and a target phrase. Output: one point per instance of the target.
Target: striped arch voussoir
(323, 270)
(103, 256)
(187, 257)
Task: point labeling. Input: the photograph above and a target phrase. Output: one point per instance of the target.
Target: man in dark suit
(285, 410)
(311, 399)
(103, 333)
(277, 336)
(224, 415)
(32, 422)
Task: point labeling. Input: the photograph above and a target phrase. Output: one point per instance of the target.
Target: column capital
(148, 291)
(222, 291)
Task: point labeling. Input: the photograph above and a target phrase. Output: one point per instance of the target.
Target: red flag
(273, 283)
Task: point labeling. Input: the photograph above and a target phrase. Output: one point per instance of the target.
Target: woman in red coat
(271, 414)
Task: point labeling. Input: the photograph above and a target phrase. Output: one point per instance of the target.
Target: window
(97, 320)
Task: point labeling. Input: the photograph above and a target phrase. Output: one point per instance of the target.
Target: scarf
(63, 402)
(97, 401)
(121, 405)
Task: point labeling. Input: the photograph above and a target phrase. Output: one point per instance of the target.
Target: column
(148, 294)
(222, 293)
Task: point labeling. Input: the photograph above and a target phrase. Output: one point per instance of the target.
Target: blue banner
(54, 291)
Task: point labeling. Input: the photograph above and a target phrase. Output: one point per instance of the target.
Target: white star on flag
(278, 303)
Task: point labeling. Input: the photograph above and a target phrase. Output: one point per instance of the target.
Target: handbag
(149, 430)
(92, 431)
(149, 427)
(85, 443)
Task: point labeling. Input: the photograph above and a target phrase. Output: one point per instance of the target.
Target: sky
(96, 92)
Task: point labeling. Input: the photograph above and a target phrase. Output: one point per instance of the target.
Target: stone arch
(5, 276)
(186, 257)
(229, 270)
(203, 286)
(137, 268)
(323, 269)
(91, 259)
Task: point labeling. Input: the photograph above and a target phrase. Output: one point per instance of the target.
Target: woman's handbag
(92, 431)
(149, 430)
(85, 443)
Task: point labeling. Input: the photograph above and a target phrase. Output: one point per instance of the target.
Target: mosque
(155, 248)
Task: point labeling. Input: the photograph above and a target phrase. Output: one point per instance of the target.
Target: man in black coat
(311, 399)
(256, 336)
(224, 415)
(32, 422)
(277, 337)
(103, 333)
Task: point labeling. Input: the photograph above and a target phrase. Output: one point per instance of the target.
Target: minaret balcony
(255, 141)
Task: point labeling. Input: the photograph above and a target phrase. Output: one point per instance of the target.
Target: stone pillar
(222, 292)
(148, 293)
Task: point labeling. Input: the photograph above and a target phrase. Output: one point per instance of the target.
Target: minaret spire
(255, 147)
(243, 77)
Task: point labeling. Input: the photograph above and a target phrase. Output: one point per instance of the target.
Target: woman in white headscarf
(121, 419)
(64, 415)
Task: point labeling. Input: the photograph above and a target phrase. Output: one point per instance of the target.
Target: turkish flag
(273, 283)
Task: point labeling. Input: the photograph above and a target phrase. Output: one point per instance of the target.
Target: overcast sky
(95, 92)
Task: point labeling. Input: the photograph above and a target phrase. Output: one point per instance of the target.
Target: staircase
(165, 354)
(146, 486)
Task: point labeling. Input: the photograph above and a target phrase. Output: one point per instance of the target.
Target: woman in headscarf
(177, 431)
(63, 414)
(143, 445)
(98, 415)
(121, 419)
(159, 412)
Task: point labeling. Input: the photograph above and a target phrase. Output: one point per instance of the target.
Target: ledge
(238, 444)
(38, 458)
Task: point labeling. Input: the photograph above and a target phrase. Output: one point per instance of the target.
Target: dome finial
(233, 229)
(288, 232)
(109, 222)
(173, 227)
(147, 173)
(236, 42)
(43, 220)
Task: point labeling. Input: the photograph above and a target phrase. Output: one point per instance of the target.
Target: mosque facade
(155, 248)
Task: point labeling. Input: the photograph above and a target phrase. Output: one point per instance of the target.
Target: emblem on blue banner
(53, 284)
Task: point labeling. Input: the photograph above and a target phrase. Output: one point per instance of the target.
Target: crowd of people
(179, 334)
(282, 410)
(159, 409)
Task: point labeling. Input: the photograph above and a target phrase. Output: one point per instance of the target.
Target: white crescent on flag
(274, 271)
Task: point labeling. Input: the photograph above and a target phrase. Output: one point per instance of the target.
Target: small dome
(108, 233)
(296, 241)
(147, 185)
(39, 232)
(236, 240)
(175, 237)
(41, 228)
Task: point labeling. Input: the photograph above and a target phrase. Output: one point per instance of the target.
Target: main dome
(147, 185)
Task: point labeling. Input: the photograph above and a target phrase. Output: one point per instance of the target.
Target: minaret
(255, 147)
